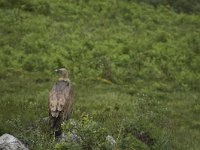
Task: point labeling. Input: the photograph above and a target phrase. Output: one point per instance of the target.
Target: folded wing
(61, 100)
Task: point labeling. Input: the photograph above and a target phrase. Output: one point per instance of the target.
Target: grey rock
(110, 140)
(45, 119)
(70, 137)
(9, 142)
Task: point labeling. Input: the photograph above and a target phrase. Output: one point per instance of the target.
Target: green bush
(40, 7)
(188, 6)
(85, 134)
(34, 63)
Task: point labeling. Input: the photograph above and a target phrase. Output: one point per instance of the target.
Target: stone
(70, 137)
(110, 140)
(9, 142)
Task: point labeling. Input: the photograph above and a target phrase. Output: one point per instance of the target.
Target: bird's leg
(54, 136)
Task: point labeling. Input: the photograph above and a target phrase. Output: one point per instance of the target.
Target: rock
(45, 119)
(110, 140)
(70, 137)
(9, 142)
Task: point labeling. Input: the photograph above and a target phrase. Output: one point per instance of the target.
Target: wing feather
(60, 100)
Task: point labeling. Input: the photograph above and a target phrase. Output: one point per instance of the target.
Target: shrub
(85, 134)
(34, 63)
(40, 7)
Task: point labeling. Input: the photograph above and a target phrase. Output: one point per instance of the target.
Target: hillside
(134, 63)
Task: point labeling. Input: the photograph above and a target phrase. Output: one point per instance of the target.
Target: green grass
(169, 117)
(135, 68)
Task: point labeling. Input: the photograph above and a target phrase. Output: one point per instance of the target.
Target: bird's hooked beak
(62, 73)
(56, 70)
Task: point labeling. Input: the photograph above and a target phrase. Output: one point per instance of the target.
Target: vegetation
(135, 68)
(187, 6)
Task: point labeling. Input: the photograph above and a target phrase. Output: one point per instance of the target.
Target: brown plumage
(61, 99)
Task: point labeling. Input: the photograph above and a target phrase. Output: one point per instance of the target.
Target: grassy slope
(169, 116)
(156, 50)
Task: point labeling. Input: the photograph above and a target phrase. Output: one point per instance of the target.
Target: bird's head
(63, 73)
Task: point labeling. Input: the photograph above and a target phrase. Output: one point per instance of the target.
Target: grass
(169, 116)
(135, 70)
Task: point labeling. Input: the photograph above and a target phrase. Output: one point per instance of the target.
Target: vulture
(61, 100)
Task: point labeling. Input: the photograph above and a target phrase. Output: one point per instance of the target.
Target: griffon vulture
(61, 99)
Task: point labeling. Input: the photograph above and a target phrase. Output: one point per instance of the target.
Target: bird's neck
(63, 79)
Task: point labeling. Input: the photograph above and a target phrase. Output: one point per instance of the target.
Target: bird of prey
(61, 99)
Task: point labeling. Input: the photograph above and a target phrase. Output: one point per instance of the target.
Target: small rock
(70, 137)
(9, 142)
(111, 140)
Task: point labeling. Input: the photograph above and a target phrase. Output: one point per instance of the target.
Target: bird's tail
(56, 125)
